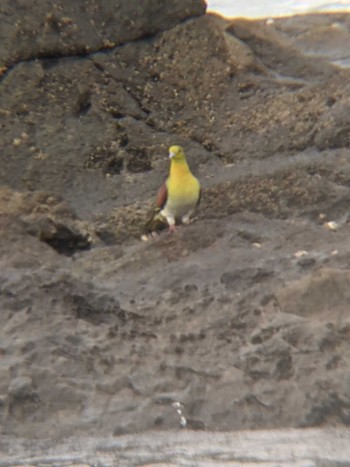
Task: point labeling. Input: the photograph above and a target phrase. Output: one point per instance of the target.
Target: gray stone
(71, 28)
(270, 448)
(20, 387)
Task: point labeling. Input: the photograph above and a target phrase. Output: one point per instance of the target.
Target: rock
(62, 238)
(307, 34)
(333, 128)
(274, 50)
(66, 29)
(228, 314)
(244, 278)
(21, 388)
(256, 361)
(319, 294)
(317, 446)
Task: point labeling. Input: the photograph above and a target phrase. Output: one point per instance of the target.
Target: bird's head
(176, 153)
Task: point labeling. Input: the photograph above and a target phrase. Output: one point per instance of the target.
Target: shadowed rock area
(241, 318)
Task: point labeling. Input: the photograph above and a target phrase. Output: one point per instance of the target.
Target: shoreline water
(255, 8)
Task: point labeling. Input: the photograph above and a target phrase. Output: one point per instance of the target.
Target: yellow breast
(183, 189)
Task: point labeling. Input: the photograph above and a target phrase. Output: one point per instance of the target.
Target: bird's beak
(171, 155)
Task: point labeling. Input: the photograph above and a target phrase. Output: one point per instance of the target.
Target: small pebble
(300, 253)
(334, 226)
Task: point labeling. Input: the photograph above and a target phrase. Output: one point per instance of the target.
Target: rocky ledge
(239, 320)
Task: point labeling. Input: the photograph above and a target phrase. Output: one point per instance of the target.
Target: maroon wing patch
(162, 196)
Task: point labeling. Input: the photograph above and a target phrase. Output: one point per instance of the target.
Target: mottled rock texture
(61, 28)
(242, 317)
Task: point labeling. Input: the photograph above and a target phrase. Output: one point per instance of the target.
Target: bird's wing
(162, 196)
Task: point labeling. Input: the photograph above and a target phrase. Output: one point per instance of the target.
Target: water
(269, 8)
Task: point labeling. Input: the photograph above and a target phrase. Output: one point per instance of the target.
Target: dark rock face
(73, 28)
(239, 319)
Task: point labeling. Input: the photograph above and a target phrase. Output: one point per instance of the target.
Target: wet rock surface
(239, 319)
(299, 448)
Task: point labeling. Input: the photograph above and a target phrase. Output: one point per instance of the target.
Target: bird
(179, 195)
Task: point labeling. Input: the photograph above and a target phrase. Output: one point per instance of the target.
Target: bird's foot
(188, 220)
(172, 228)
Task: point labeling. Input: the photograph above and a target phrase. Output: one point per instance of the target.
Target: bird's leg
(171, 222)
